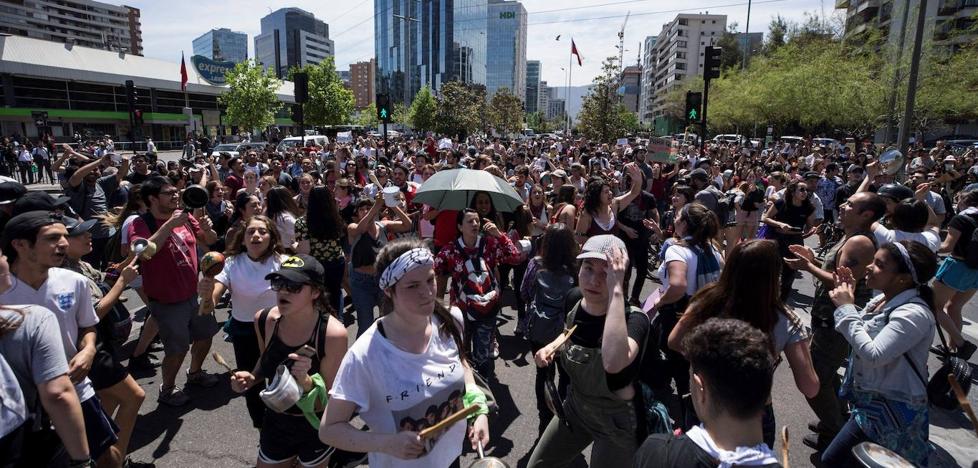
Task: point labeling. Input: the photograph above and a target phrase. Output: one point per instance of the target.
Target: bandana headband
(404, 264)
(906, 260)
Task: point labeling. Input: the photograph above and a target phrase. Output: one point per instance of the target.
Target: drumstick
(220, 360)
(784, 447)
(373, 179)
(963, 400)
(563, 338)
(451, 419)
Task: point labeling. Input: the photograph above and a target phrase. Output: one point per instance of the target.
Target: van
(290, 143)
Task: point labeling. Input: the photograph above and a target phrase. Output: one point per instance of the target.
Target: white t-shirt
(393, 389)
(679, 253)
(885, 236)
(285, 222)
(250, 291)
(67, 294)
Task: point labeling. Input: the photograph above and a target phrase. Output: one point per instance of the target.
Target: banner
(211, 71)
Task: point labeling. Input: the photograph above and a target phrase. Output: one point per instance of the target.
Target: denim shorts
(956, 275)
(181, 325)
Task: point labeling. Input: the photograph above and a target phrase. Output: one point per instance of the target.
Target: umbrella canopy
(454, 190)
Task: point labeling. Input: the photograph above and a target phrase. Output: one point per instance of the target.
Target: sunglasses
(280, 283)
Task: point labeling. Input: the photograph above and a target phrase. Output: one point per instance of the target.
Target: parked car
(291, 143)
(830, 143)
(795, 140)
(236, 149)
(730, 138)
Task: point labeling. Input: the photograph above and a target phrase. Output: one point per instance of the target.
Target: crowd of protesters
(653, 288)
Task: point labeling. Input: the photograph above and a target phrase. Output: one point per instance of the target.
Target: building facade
(543, 98)
(428, 44)
(292, 37)
(222, 45)
(85, 23)
(362, 83)
(678, 53)
(631, 87)
(945, 22)
(752, 42)
(506, 65)
(648, 81)
(532, 86)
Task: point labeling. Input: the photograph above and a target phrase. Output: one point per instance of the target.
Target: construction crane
(621, 42)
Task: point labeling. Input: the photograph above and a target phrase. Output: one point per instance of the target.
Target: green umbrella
(454, 190)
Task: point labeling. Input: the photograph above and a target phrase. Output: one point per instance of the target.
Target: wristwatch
(84, 463)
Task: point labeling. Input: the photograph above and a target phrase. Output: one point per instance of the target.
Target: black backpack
(546, 312)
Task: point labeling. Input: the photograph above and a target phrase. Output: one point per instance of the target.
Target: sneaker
(966, 350)
(939, 350)
(816, 441)
(495, 349)
(202, 379)
(130, 463)
(172, 396)
(142, 362)
(813, 426)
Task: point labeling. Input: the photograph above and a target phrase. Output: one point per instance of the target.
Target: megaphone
(194, 197)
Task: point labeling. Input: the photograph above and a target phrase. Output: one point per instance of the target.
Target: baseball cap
(854, 168)
(559, 173)
(39, 201)
(599, 246)
(301, 269)
(76, 227)
(11, 191)
(812, 175)
(699, 174)
(25, 226)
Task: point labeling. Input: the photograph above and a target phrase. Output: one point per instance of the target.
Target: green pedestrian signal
(693, 102)
(383, 108)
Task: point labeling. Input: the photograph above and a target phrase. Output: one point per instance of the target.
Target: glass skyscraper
(292, 37)
(533, 86)
(506, 65)
(222, 45)
(428, 42)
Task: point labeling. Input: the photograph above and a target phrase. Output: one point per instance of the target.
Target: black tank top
(277, 352)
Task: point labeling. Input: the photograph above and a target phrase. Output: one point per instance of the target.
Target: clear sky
(170, 26)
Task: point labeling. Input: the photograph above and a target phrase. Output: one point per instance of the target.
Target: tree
(539, 123)
(732, 54)
(777, 34)
(368, 116)
(423, 112)
(330, 103)
(461, 108)
(251, 101)
(506, 112)
(602, 117)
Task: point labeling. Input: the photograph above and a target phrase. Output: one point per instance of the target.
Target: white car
(729, 138)
(830, 143)
(291, 143)
(236, 149)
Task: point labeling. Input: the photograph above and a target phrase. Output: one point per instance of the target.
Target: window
(714, 21)
(713, 33)
(680, 66)
(704, 21)
(680, 43)
(702, 33)
(680, 76)
(683, 21)
(680, 55)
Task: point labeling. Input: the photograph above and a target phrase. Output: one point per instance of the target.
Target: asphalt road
(214, 430)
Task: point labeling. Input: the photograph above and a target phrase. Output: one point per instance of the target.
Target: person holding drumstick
(405, 364)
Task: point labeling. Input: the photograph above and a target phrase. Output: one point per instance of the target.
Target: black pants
(787, 273)
(25, 172)
(638, 260)
(97, 256)
(333, 280)
(246, 355)
(542, 375)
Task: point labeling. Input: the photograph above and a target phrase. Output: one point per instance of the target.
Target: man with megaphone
(170, 283)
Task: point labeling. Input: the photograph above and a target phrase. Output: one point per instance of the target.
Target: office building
(345, 77)
(506, 65)
(532, 86)
(222, 45)
(291, 37)
(543, 98)
(678, 53)
(648, 81)
(631, 88)
(428, 44)
(753, 42)
(944, 23)
(362, 82)
(85, 23)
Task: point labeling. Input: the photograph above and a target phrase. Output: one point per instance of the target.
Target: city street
(214, 429)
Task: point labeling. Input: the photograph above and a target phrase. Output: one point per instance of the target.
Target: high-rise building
(428, 44)
(533, 86)
(543, 98)
(86, 23)
(362, 82)
(945, 20)
(292, 37)
(631, 89)
(222, 45)
(506, 64)
(648, 80)
(678, 54)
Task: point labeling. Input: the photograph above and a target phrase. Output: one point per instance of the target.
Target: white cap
(599, 246)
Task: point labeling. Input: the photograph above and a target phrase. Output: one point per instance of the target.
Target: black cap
(76, 227)
(39, 201)
(25, 226)
(301, 269)
(699, 174)
(11, 191)
(812, 175)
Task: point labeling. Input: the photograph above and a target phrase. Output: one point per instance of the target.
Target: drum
(872, 455)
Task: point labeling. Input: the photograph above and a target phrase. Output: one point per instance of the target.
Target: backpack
(971, 250)
(546, 313)
(725, 208)
(117, 323)
(477, 292)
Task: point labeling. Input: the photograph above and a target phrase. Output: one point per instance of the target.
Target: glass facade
(506, 65)
(292, 37)
(222, 45)
(428, 42)
(532, 86)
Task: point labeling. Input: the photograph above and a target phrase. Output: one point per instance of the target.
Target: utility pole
(891, 107)
(918, 40)
(746, 37)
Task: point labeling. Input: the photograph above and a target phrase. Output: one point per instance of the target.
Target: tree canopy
(251, 101)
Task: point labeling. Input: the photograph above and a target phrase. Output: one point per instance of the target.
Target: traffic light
(130, 94)
(138, 116)
(383, 108)
(694, 105)
(711, 65)
(297, 113)
(301, 81)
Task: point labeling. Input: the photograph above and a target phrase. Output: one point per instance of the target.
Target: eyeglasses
(280, 283)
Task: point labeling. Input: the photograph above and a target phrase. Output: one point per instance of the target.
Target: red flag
(183, 73)
(575, 52)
